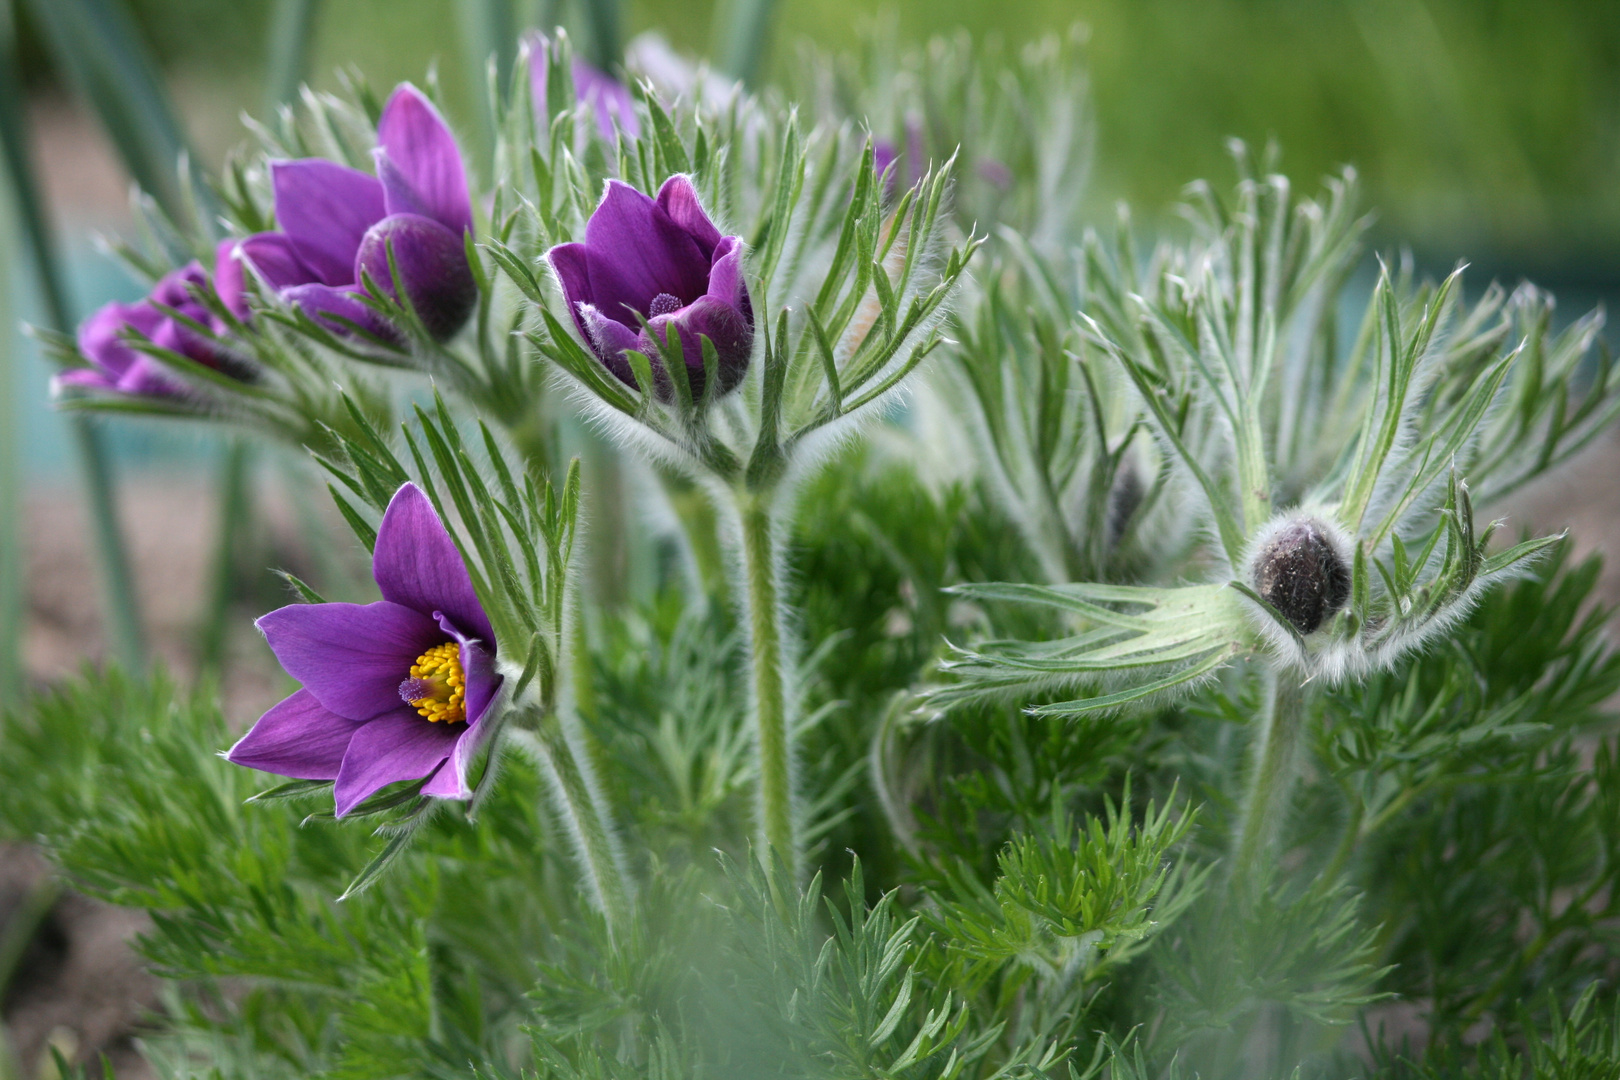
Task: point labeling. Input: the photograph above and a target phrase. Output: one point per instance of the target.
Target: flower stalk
(1271, 776)
(579, 804)
(772, 732)
(234, 527)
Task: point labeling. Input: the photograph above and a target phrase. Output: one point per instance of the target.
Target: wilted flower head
(119, 366)
(395, 690)
(609, 99)
(337, 223)
(662, 261)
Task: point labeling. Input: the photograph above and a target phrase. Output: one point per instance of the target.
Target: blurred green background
(1487, 129)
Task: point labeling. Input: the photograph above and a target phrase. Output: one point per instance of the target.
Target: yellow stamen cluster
(440, 670)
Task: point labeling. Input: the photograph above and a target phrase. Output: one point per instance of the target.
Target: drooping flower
(119, 366)
(664, 261)
(609, 99)
(395, 690)
(337, 222)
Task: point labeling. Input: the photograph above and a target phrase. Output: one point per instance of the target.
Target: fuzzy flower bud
(1299, 569)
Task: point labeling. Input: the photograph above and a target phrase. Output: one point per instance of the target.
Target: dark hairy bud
(1300, 572)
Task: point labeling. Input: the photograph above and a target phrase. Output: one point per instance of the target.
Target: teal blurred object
(120, 609)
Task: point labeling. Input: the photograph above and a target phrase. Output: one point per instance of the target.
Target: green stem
(760, 570)
(117, 580)
(1349, 840)
(1272, 775)
(581, 807)
(234, 510)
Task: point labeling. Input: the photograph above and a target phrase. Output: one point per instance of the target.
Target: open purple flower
(120, 367)
(663, 261)
(337, 222)
(395, 690)
(609, 99)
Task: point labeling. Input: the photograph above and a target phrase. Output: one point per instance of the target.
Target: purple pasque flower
(664, 261)
(337, 222)
(395, 690)
(609, 99)
(117, 365)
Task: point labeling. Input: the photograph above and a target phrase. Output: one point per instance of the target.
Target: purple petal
(433, 269)
(416, 564)
(536, 49)
(324, 209)
(726, 276)
(327, 305)
(350, 656)
(228, 280)
(398, 746)
(478, 667)
(89, 378)
(883, 156)
(175, 287)
(450, 782)
(424, 172)
(146, 377)
(914, 146)
(680, 201)
(608, 340)
(274, 259)
(571, 264)
(176, 337)
(724, 325)
(635, 251)
(299, 737)
(608, 98)
(101, 341)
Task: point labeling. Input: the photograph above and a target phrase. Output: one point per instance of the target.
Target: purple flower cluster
(394, 690)
(120, 367)
(337, 223)
(660, 262)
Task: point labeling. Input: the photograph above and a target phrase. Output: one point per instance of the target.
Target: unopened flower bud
(1300, 570)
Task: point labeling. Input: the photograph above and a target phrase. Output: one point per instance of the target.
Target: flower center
(437, 685)
(663, 304)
